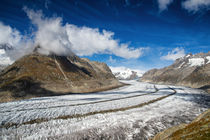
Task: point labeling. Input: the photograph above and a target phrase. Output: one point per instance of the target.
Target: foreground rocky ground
(137, 111)
(198, 129)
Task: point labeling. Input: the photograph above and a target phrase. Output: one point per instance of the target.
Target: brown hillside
(38, 75)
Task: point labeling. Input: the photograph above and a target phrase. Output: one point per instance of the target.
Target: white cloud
(12, 37)
(163, 4)
(51, 34)
(89, 41)
(174, 54)
(195, 5)
(62, 39)
(4, 59)
(9, 35)
(54, 37)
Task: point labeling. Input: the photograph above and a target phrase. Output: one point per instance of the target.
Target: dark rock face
(191, 70)
(40, 75)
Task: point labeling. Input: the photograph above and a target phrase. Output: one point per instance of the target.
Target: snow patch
(188, 56)
(196, 62)
(180, 66)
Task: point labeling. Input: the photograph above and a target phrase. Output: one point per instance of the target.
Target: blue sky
(154, 32)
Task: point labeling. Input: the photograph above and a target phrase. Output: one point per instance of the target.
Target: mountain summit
(41, 75)
(190, 70)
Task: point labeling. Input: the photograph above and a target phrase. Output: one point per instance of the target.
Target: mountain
(39, 75)
(123, 73)
(190, 70)
(198, 129)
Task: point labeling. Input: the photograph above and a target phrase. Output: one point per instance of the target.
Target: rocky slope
(123, 73)
(199, 129)
(39, 75)
(190, 70)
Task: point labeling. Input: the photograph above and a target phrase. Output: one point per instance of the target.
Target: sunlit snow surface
(196, 62)
(137, 123)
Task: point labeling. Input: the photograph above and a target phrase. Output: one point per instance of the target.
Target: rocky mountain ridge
(190, 70)
(39, 75)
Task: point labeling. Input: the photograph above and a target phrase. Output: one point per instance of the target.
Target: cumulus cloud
(12, 37)
(89, 41)
(54, 37)
(51, 35)
(174, 54)
(9, 35)
(195, 5)
(163, 4)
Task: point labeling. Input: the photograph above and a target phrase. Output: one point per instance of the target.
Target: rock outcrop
(190, 70)
(39, 75)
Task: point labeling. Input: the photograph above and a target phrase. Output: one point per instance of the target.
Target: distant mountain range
(190, 70)
(123, 73)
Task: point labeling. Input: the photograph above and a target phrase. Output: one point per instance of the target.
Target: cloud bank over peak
(51, 35)
(54, 37)
(174, 54)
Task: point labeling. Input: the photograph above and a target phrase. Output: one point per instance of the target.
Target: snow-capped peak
(124, 73)
(194, 60)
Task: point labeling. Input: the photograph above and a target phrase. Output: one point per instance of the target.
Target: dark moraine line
(8, 125)
(156, 90)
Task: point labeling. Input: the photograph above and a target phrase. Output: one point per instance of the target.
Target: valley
(136, 111)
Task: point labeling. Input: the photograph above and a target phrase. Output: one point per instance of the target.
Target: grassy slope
(199, 129)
